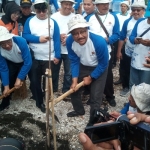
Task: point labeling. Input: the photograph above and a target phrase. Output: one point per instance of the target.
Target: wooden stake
(47, 90)
(52, 101)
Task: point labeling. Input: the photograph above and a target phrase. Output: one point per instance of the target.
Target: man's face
(88, 6)
(103, 8)
(80, 35)
(7, 45)
(66, 7)
(132, 102)
(26, 10)
(137, 12)
(15, 16)
(124, 8)
(41, 14)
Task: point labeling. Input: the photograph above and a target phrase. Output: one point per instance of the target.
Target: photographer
(114, 144)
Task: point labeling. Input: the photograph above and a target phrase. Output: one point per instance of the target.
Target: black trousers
(125, 63)
(14, 69)
(115, 52)
(37, 70)
(109, 90)
(96, 91)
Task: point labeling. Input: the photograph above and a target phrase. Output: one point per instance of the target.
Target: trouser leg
(14, 69)
(36, 74)
(67, 73)
(109, 90)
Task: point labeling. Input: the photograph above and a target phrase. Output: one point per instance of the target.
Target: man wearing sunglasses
(140, 37)
(36, 33)
(124, 53)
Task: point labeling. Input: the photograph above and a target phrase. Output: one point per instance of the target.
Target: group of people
(87, 44)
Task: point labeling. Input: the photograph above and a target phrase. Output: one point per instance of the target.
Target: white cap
(39, 1)
(102, 1)
(126, 3)
(141, 96)
(67, 1)
(77, 21)
(139, 4)
(4, 34)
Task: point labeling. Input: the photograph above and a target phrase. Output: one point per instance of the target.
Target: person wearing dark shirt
(26, 11)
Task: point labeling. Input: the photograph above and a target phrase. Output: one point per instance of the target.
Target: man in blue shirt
(88, 53)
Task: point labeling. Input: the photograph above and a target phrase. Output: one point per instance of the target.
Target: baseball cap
(25, 3)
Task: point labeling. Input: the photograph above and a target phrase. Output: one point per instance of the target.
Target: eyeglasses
(38, 11)
(138, 10)
(82, 32)
(4, 44)
(17, 14)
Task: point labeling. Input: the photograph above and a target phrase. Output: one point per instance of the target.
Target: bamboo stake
(53, 118)
(10, 91)
(60, 98)
(50, 79)
(47, 109)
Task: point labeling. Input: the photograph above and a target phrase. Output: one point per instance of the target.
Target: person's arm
(27, 33)
(74, 59)
(55, 4)
(147, 62)
(26, 56)
(56, 39)
(133, 35)
(116, 32)
(74, 62)
(102, 56)
(4, 72)
(77, 4)
(123, 35)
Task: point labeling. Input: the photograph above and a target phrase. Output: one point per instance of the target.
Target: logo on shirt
(92, 53)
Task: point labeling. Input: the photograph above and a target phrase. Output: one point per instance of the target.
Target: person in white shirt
(138, 72)
(124, 54)
(62, 18)
(111, 23)
(122, 16)
(37, 35)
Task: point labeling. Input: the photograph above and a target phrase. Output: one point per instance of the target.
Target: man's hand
(147, 64)
(18, 83)
(87, 80)
(137, 41)
(74, 84)
(63, 38)
(115, 114)
(137, 117)
(145, 42)
(119, 56)
(44, 39)
(56, 61)
(6, 89)
(88, 145)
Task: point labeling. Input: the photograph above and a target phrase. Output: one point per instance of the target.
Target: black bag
(11, 144)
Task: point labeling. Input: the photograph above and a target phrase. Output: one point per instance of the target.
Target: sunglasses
(38, 11)
(138, 10)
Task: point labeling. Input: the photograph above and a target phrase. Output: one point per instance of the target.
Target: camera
(129, 135)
